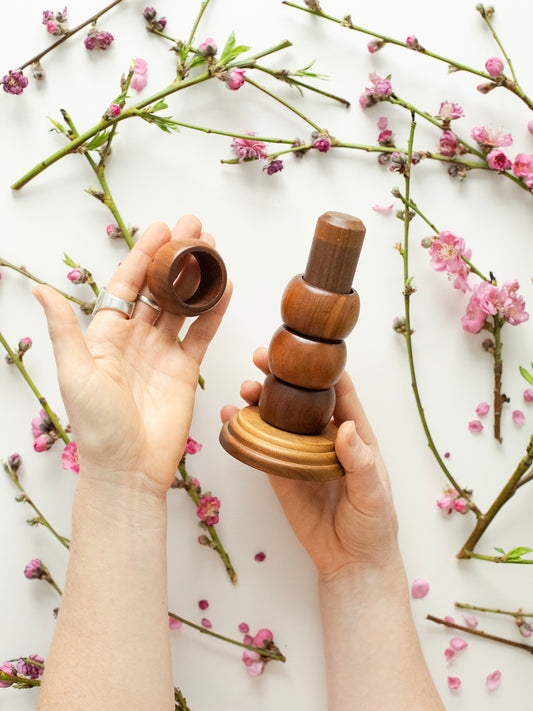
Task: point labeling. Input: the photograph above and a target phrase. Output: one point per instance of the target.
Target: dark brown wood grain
(295, 409)
(335, 252)
(186, 277)
(305, 362)
(318, 313)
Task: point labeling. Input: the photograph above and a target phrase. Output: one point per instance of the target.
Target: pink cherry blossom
(494, 66)
(234, 79)
(249, 148)
(32, 667)
(454, 682)
(490, 137)
(493, 680)
(450, 110)
(470, 620)
(475, 426)
(497, 160)
(208, 509)
(383, 87)
(264, 635)
(70, 458)
(446, 502)
(448, 144)
(461, 277)
(528, 395)
(458, 643)
(482, 409)
(192, 446)
(523, 165)
(447, 251)
(474, 318)
(174, 624)
(419, 588)
(518, 417)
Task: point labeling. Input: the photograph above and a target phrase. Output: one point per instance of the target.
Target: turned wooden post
(290, 433)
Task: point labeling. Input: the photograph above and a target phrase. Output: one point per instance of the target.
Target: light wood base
(251, 440)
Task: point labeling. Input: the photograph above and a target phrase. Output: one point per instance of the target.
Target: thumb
(363, 483)
(68, 342)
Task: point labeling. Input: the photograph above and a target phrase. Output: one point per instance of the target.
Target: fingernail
(352, 435)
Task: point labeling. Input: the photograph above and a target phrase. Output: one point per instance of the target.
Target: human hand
(128, 385)
(349, 522)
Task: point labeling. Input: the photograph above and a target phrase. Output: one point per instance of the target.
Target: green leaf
(98, 140)
(500, 550)
(519, 552)
(159, 106)
(165, 123)
(68, 261)
(58, 128)
(230, 51)
(230, 44)
(527, 375)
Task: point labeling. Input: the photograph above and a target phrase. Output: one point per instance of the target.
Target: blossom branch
(214, 542)
(272, 653)
(457, 66)
(484, 521)
(407, 333)
(84, 305)
(288, 78)
(69, 34)
(480, 633)
(19, 682)
(283, 102)
(24, 498)
(180, 701)
(486, 16)
(42, 400)
(99, 171)
(516, 613)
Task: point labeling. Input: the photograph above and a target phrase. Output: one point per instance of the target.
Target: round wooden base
(251, 440)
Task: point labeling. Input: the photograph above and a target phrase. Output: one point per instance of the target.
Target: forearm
(111, 648)
(373, 656)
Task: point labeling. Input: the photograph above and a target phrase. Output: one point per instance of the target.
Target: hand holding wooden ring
(172, 291)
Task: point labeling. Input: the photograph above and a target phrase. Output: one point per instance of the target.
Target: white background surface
(263, 227)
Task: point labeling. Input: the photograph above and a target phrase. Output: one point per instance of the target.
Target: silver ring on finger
(106, 300)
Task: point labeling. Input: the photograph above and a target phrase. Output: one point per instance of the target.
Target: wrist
(127, 498)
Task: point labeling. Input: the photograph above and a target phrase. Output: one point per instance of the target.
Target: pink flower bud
(53, 27)
(411, 41)
(518, 417)
(15, 461)
(35, 569)
(208, 48)
(75, 276)
(264, 635)
(497, 160)
(114, 110)
(475, 426)
(494, 66)
(25, 344)
(7, 668)
(528, 395)
(42, 443)
(234, 79)
(482, 409)
(461, 506)
(419, 588)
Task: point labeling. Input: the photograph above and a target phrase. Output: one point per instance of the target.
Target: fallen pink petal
(470, 621)
(419, 588)
(493, 680)
(528, 395)
(174, 624)
(518, 417)
(454, 682)
(482, 409)
(475, 426)
(449, 654)
(260, 557)
(458, 643)
(383, 208)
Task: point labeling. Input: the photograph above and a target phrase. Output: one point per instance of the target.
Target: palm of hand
(130, 407)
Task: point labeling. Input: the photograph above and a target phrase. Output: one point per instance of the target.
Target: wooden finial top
(335, 252)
